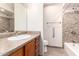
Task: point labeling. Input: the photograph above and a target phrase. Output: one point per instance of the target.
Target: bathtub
(72, 49)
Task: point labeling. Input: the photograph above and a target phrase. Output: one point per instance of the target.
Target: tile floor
(53, 51)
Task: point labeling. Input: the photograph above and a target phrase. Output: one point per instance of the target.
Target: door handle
(53, 30)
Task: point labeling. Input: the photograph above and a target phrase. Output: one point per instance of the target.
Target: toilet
(45, 45)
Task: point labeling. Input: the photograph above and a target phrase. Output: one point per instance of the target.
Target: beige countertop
(7, 46)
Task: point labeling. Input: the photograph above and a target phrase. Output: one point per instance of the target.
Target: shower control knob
(73, 32)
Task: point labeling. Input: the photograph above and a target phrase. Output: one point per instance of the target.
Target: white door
(53, 25)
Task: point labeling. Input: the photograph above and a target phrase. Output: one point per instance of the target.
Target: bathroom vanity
(25, 47)
(31, 48)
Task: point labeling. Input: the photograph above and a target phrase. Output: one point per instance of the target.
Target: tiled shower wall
(71, 27)
(5, 24)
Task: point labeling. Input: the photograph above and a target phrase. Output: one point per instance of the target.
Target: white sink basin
(20, 37)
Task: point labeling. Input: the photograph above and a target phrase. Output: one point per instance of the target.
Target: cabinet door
(19, 52)
(37, 43)
(30, 48)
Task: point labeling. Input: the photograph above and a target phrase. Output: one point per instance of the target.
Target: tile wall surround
(11, 24)
(71, 27)
(5, 24)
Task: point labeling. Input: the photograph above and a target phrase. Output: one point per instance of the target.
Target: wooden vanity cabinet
(37, 45)
(30, 48)
(19, 52)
